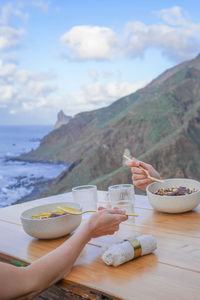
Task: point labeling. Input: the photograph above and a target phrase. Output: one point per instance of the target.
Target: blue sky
(82, 55)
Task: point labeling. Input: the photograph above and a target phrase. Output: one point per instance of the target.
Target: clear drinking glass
(86, 196)
(122, 196)
(103, 200)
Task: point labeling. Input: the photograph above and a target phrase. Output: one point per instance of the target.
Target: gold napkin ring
(136, 246)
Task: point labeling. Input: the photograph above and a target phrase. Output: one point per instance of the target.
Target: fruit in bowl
(174, 195)
(47, 221)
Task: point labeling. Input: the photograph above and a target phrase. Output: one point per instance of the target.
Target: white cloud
(23, 89)
(90, 42)
(172, 16)
(39, 89)
(23, 76)
(11, 9)
(178, 39)
(93, 74)
(12, 112)
(27, 106)
(10, 37)
(7, 92)
(44, 5)
(95, 95)
(6, 70)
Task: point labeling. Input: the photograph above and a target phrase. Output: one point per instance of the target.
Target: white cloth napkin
(124, 251)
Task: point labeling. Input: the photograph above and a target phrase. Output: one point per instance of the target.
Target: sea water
(17, 178)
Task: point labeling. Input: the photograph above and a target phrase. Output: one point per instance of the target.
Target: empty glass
(122, 196)
(86, 196)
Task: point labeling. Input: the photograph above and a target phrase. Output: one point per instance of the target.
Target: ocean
(18, 179)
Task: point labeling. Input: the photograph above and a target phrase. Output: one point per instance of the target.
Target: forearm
(29, 281)
(44, 272)
(58, 263)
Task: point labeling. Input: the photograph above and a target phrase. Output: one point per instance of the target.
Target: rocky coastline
(35, 186)
(39, 186)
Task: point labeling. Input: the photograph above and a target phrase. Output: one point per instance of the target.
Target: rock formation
(62, 119)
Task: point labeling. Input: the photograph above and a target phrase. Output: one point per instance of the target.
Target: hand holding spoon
(146, 172)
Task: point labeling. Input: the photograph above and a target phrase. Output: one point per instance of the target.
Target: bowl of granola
(174, 195)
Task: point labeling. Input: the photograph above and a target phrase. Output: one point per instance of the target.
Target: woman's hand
(106, 221)
(139, 177)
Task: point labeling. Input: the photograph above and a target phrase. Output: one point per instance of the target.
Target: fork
(87, 211)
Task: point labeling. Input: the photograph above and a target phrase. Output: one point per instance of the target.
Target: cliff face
(159, 124)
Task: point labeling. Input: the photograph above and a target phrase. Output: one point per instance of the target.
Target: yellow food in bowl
(37, 223)
(60, 211)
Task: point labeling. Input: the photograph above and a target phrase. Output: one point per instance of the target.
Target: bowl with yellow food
(52, 220)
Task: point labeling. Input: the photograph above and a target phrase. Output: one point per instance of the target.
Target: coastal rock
(62, 119)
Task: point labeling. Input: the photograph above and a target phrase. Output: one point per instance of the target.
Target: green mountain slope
(160, 124)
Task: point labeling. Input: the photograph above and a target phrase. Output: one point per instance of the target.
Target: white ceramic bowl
(52, 227)
(174, 204)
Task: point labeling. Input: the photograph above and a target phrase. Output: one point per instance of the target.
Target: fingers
(118, 218)
(136, 176)
(122, 218)
(118, 215)
(140, 182)
(116, 210)
(144, 165)
(101, 208)
(136, 170)
(106, 221)
(133, 162)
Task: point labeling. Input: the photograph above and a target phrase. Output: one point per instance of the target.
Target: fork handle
(87, 211)
(128, 214)
(150, 177)
(131, 215)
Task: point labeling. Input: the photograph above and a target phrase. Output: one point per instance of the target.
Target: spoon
(146, 172)
(69, 211)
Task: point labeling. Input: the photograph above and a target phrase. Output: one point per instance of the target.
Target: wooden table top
(171, 272)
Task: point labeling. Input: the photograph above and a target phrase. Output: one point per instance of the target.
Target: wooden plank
(16, 243)
(186, 223)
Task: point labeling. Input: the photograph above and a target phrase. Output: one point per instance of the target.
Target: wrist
(87, 231)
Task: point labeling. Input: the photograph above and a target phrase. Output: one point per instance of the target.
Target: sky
(82, 55)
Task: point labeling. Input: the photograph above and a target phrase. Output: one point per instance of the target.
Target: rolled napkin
(129, 249)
